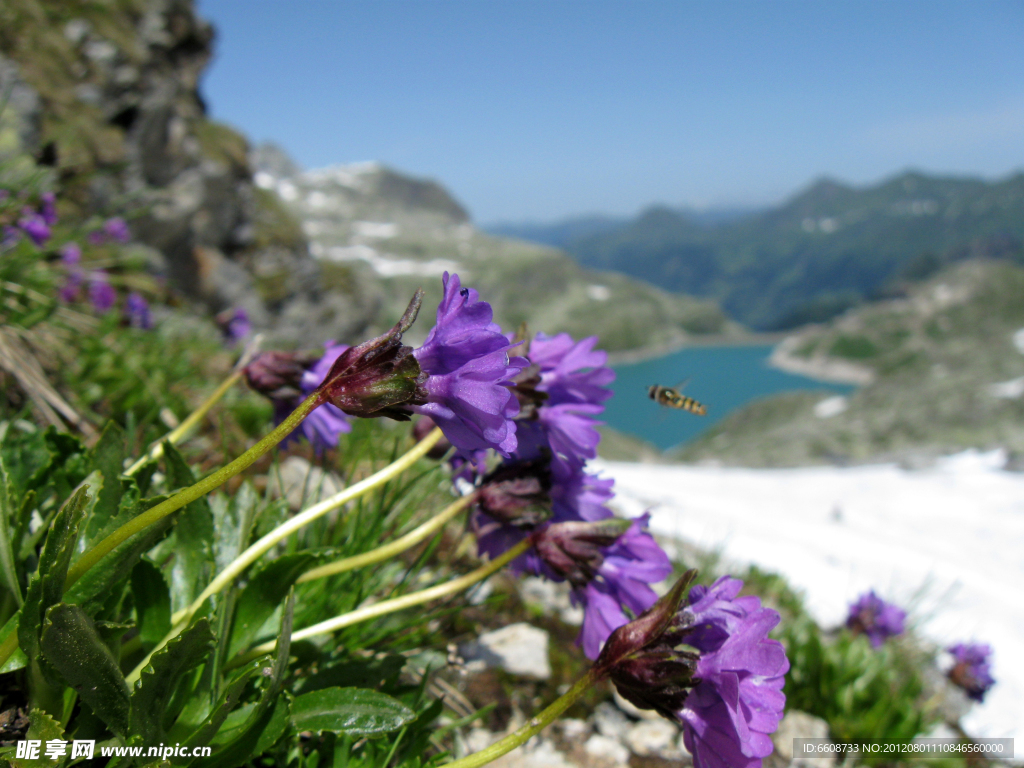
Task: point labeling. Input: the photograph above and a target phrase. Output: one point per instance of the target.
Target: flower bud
(380, 376)
(574, 550)
(277, 375)
(517, 493)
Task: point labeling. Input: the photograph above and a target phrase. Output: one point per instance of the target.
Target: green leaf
(194, 534)
(203, 734)
(97, 583)
(152, 602)
(263, 595)
(232, 519)
(264, 725)
(106, 457)
(149, 701)
(47, 585)
(72, 646)
(43, 728)
(18, 658)
(8, 522)
(352, 711)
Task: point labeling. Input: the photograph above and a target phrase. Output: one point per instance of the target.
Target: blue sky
(540, 109)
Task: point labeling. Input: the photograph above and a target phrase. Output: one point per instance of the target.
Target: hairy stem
(188, 495)
(534, 726)
(388, 551)
(178, 433)
(181, 619)
(395, 604)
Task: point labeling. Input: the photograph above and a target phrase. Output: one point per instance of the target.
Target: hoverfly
(671, 398)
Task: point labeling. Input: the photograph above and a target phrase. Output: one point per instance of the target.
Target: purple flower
(877, 619)
(101, 293)
(324, 426)
(136, 312)
(116, 229)
(34, 225)
(70, 254)
(629, 566)
(465, 358)
(234, 325)
(571, 372)
(708, 665)
(971, 670)
(48, 208)
(72, 287)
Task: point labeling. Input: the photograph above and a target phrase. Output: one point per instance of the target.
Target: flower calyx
(380, 376)
(574, 550)
(647, 659)
(517, 493)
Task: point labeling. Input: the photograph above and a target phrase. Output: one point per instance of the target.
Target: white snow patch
(599, 292)
(264, 180)
(375, 229)
(345, 175)
(317, 199)
(830, 406)
(1018, 340)
(1007, 390)
(287, 191)
(946, 541)
(389, 267)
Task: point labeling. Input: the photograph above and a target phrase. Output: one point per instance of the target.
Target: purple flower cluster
(234, 325)
(560, 391)
(871, 616)
(971, 669)
(34, 222)
(287, 379)
(114, 230)
(708, 665)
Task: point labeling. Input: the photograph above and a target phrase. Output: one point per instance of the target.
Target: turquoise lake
(723, 378)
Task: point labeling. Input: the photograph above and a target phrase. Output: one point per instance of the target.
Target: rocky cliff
(107, 94)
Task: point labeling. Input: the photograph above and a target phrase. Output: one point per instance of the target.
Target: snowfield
(946, 542)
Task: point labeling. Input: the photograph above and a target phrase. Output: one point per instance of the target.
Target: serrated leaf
(43, 728)
(47, 586)
(263, 595)
(116, 565)
(149, 701)
(352, 711)
(73, 647)
(106, 457)
(194, 534)
(152, 602)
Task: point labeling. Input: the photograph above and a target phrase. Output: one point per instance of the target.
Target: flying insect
(672, 398)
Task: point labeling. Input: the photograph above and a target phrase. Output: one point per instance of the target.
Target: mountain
(941, 370)
(828, 248)
(372, 225)
(105, 98)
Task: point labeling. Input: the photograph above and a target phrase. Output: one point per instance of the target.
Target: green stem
(181, 619)
(388, 551)
(534, 726)
(190, 421)
(187, 496)
(395, 604)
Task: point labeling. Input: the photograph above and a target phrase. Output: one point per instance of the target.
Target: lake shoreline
(646, 354)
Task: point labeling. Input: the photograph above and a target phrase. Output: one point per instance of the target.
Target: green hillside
(827, 249)
(944, 368)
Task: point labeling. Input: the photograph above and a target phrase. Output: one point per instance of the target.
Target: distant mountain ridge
(826, 249)
(382, 234)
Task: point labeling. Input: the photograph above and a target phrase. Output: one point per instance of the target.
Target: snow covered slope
(948, 540)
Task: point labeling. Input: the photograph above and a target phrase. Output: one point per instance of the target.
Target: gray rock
(799, 725)
(610, 722)
(654, 737)
(302, 483)
(607, 750)
(519, 649)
